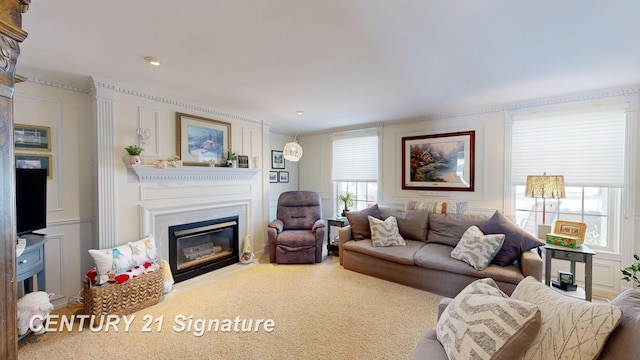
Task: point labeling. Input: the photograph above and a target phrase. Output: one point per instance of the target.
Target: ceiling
(344, 62)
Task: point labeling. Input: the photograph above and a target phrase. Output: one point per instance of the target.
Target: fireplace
(199, 247)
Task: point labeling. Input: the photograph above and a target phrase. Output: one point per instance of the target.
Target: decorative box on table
(564, 240)
(567, 233)
(121, 299)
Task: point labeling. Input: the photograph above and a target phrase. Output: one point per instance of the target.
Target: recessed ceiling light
(300, 112)
(152, 60)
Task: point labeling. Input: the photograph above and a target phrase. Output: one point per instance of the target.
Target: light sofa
(425, 261)
(565, 327)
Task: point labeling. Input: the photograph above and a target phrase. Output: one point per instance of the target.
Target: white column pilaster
(104, 104)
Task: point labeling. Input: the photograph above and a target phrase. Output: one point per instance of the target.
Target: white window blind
(355, 158)
(587, 148)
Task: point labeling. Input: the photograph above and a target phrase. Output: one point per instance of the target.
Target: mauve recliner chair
(297, 233)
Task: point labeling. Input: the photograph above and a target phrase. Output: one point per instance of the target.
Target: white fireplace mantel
(151, 173)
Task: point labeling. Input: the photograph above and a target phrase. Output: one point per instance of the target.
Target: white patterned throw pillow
(571, 328)
(482, 326)
(477, 249)
(385, 232)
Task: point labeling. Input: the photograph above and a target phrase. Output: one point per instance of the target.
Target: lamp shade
(292, 151)
(545, 186)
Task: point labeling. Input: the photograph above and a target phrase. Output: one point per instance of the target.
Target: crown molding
(592, 95)
(95, 82)
(56, 84)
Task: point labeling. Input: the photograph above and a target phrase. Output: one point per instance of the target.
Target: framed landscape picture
(202, 141)
(440, 162)
(31, 137)
(32, 161)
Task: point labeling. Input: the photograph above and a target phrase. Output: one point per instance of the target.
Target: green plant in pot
(348, 199)
(134, 152)
(630, 273)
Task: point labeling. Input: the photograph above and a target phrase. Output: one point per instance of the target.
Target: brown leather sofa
(425, 261)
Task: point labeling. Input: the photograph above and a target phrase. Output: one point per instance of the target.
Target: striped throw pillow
(438, 207)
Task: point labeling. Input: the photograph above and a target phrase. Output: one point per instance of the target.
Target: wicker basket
(122, 299)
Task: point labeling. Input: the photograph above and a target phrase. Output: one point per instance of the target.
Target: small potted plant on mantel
(134, 152)
(348, 199)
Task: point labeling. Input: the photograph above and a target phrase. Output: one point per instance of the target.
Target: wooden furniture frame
(12, 35)
(582, 254)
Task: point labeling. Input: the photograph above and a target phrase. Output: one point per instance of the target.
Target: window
(588, 149)
(355, 168)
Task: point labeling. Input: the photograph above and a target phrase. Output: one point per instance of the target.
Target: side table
(582, 254)
(31, 263)
(332, 244)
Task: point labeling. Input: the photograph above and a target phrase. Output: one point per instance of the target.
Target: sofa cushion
(476, 248)
(399, 254)
(479, 325)
(411, 223)
(438, 257)
(571, 327)
(448, 229)
(385, 232)
(516, 239)
(623, 342)
(360, 223)
(438, 207)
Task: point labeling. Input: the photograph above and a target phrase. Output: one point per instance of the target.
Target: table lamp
(545, 187)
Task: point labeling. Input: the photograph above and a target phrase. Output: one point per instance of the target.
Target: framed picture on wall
(440, 162)
(201, 141)
(277, 159)
(32, 161)
(273, 176)
(31, 137)
(283, 176)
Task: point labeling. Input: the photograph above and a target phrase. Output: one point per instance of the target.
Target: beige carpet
(320, 311)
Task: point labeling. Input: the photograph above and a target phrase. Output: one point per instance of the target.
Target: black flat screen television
(31, 200)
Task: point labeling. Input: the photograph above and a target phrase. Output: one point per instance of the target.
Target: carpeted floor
(318, 311)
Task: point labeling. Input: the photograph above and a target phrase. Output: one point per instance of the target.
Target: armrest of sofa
(531, 264)
(344, 235)
(444, 302)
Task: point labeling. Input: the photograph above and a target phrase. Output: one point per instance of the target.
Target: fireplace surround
(199, 247)
(157, 219)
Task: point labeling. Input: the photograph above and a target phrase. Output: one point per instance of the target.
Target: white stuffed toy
(34, 305)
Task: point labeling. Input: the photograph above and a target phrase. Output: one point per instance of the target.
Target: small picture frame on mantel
(243, 161)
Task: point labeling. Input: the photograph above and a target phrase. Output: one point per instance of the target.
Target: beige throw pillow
(477, 249)
(571, 328)
(385, 232)
(478, 325)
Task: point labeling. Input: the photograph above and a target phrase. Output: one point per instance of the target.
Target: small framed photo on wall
(277, 159)
(33, 161)
(273, 176)
(283, 176)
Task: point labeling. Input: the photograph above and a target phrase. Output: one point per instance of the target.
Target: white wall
(68, 114)
(71, 225)
(277, 142)
(491, 173)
